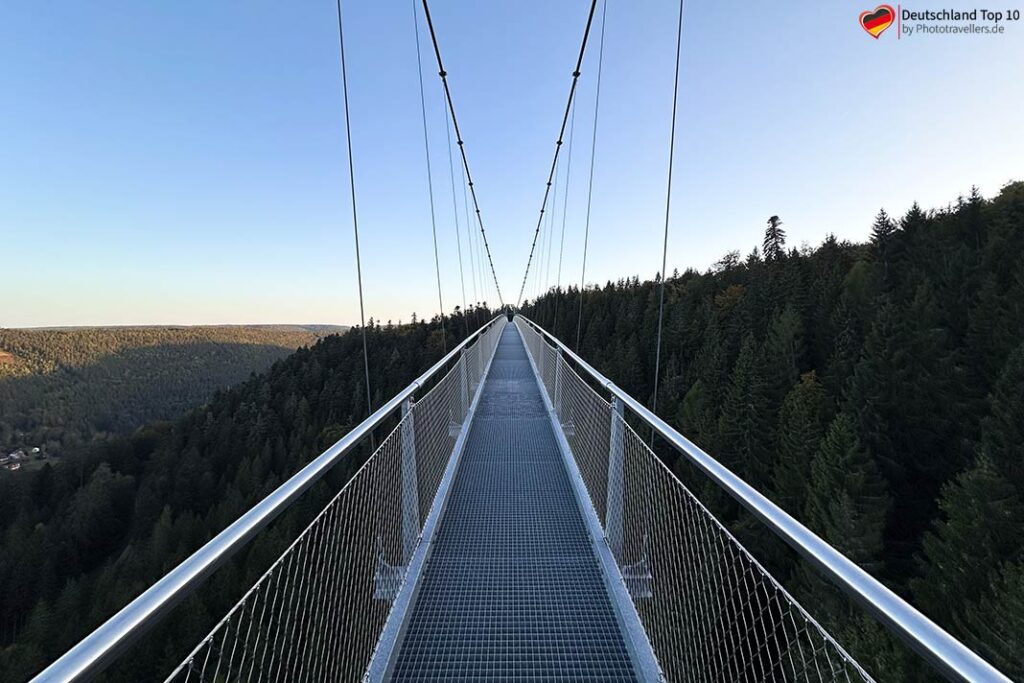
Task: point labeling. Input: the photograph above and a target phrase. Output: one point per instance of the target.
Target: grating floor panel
(512, 590)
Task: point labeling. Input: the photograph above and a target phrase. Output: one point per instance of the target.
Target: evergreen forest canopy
(61, 388)
(80, 539)
(875, 391)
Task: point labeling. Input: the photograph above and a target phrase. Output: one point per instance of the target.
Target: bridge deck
(512, 589)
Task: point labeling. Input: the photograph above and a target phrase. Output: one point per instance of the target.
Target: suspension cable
(455, 213)
(462, 148)
(668, 205)
(430, 181)
(590, 186)
(558, 143)
(565, 209)
(355, 219)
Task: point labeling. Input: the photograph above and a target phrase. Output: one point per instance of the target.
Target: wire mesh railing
(711, 612)
(709, 609)
(317, 612)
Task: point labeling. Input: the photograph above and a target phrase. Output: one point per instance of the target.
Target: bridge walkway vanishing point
(512, 526)
(512, 589)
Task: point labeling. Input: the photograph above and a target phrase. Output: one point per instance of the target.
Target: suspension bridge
(515, 525)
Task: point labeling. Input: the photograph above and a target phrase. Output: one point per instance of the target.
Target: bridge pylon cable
(430, 180)
(590, 182)
(355, 216)
(558, 145)
(668, 209)
(462, 147)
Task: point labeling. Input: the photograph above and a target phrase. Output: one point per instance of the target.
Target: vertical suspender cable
(470, 244)
(590, 188)
(455, 214)
(565, 208)
(430, 182)
(668, 205)
(355, 220)
(551, 236)
(475, 257)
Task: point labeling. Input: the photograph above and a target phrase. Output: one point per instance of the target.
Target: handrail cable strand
(462, 148)
(558, 143)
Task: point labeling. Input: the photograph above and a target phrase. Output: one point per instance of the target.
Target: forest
(81, 538)
(875, 391)
(61, 388)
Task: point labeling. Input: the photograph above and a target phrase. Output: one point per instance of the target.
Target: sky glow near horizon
(185, 163)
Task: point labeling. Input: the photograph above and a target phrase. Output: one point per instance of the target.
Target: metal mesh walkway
(512, 589)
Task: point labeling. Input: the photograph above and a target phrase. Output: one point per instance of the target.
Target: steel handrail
(947, 655)
(97, 650)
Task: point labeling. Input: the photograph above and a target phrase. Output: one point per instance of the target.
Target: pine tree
(993, 626)
(801, 428)
(774, 240)
(1002, 432)
(872, 396)
(983, 526)
(783, 353)
(742, 427)
(848, 501)
(991, 333)
(882, 239)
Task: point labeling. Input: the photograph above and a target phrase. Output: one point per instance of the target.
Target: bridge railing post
(464, 385)
(613, 525)
(410, 483)
(556, 400)
(539, 356)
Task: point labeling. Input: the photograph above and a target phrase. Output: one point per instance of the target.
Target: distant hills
(60, 387)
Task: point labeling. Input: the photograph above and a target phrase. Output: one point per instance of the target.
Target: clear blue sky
(184, 162)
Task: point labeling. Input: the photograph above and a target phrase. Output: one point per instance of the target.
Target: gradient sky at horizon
(183, 163)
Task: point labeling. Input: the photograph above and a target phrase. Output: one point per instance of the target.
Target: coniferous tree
(883, 239)
(1002, 435)
(743, 427)
(993, 625)
(801, 428)
(783, 354)
(983, 526)
(774, 240)
(848, 502)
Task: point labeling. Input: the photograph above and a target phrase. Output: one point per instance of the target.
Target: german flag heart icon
(877, 20)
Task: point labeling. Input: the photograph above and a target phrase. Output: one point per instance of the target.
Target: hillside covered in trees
(80, 539)
(60, 388)
(875, 391)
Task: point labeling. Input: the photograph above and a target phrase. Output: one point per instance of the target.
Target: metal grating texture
(710, 610)
(512, 590)
(318, 612)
